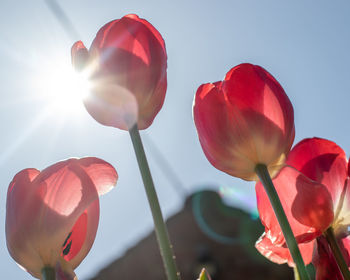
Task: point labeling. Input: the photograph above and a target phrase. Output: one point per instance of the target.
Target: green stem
(332, 241)
(296, 274)
(165, 247)
(264, 176)
(48, 273)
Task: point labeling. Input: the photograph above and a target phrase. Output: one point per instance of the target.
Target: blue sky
(304, 44)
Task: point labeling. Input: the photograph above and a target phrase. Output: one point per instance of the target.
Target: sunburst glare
(62, 88)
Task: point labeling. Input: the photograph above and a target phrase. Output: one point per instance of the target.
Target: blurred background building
(205, 233)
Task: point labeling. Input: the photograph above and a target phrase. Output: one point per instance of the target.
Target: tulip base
(166, 250)
(48, 273)
(264, 176)
(296, 274)
(333, 244)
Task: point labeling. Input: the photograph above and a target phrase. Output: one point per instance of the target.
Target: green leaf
(204, 275)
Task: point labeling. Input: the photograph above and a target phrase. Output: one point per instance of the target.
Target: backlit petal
(323, 161)
(307, 204)
(80, 56)
(325, 264)
(281, 254)
(344, 244)
(82, 235)
(251, 88)
(341, 223)
(215, 132)
(19, 206)
(64, 271)
(103, 175)
(266, 109)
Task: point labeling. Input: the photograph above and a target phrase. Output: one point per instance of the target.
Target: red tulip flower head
(52, 216)
(314, 189)
(245, 120)
(127, 64)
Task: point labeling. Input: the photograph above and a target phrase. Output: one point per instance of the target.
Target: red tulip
(245, 120)
(127, 65)
(52, 216)
(314, 191)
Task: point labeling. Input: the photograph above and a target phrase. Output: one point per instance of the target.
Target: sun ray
(20, 139)
(50, 84)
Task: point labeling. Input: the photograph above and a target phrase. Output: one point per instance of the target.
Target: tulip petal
(20, 193)
(55, 187)
(64, 271)
(251, 87)
(341, 223)
(256, 93)
(80, 56)
(82, 236)
(123, 33)
(281, 254)
(112, 105)
(103, 174)
(345, 248)
(307, 205)
(323, 161)
(214, 130)
(324, 262)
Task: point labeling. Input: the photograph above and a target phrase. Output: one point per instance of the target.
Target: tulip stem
(296, 274)
(48, 273)
(165, 247)
(333, 244)
(264, 176)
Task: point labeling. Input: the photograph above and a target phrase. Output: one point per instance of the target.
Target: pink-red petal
(251, 88)
(64, 271)
(214, 129)
(323, 161)
(345, 247)
(18, 210)
(82, 235)
(112, 105)
(307, 204)
(103, 175)
(80, 56)
(324, 262)
(281, 254)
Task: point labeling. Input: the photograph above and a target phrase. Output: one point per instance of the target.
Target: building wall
(194, 249)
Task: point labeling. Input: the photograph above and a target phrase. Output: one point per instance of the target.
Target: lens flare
(63, 89)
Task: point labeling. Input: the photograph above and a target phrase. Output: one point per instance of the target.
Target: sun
(62, 88)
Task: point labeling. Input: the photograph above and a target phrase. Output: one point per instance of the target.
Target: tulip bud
(127, 64)
(245, 120)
